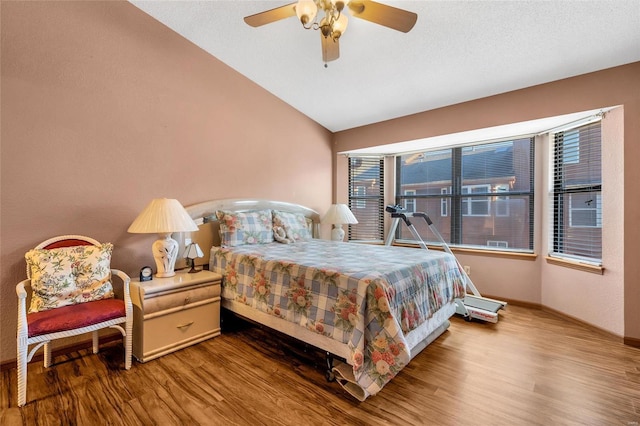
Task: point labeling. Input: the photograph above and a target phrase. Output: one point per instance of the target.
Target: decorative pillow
(294, 224)
(239, 228)
(280, 235)
(69, 275)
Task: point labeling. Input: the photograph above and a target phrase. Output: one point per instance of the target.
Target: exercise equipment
(472, 306)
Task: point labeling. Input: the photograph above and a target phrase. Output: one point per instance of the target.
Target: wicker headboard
(208, 234)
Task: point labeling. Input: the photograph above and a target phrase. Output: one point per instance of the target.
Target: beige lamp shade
(163, 216)
(337, 215)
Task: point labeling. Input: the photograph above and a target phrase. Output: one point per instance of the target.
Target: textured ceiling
(457, 51)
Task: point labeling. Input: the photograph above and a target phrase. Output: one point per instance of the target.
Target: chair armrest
(125, 286)
(124, 277)
(22, 308)
(21, 291)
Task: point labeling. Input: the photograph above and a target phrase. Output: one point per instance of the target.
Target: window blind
(577, 194)
(366, 198)
(478, 196)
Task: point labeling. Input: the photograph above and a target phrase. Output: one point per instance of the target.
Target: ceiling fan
(334, 22)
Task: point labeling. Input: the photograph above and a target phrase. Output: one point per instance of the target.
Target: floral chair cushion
(69, 275)
(294, 224)
(239, 228)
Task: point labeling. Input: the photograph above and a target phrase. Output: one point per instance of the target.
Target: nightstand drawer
(175, 329)
(171, 313)
(178, 299)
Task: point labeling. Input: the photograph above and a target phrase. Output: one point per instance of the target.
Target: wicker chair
(41, 328)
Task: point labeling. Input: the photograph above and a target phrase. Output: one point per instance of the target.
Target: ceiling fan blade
(388, 16)
(272, 15)
(330, 48)
(414, 157)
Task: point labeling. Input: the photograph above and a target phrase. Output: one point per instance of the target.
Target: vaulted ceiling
(457, 51)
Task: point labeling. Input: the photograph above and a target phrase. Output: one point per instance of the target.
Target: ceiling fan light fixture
(325, 27)
(339, 4)
(339, 26)
(306, 11)
(334, 22)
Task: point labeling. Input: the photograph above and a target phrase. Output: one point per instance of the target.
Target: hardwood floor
(533, 367)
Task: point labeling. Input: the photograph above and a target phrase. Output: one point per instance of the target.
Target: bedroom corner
(104, 109)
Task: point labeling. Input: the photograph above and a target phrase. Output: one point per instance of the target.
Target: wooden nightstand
(175, 312)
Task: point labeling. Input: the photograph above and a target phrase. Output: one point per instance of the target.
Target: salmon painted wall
(610, 301)
(104, 109)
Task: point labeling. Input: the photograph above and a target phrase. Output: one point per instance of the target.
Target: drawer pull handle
(184, 325)
(187, 300)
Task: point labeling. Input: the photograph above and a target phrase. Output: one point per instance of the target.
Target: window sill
(486, 253)
(594, 269)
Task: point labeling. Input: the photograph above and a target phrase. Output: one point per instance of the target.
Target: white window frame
(468, 202)
(597, 207)
(412, 201)
(444, 202)
(497, 244)
(501, 202)
(361, 191)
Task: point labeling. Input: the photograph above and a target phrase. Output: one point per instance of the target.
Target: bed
(371, 308)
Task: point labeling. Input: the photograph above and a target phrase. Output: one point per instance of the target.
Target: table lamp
(337, 215)
(190, 253)
(163, 216)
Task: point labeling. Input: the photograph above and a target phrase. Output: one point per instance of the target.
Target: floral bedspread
(366, 296)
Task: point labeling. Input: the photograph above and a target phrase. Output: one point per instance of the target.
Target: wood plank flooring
(532, 368)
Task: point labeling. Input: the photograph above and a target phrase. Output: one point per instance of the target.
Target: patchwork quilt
(366, 296)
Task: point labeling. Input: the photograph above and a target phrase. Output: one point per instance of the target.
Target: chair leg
(22, 374)
(47, 354)
(95, 341)
(128, 343)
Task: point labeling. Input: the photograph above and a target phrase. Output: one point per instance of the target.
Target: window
(585, 211)
(476, 206)
(501, 202)
(478, 196)
(444, 202)
(410, 203)
(499, 244)
(571, 148)
(366, 198)
(577, 194)
(360, 201)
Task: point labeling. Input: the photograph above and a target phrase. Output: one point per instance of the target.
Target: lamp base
(165, 252)
(337, 233)
(193, 269)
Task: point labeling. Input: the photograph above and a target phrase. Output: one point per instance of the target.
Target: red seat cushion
(67, 243)
(74, 316)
